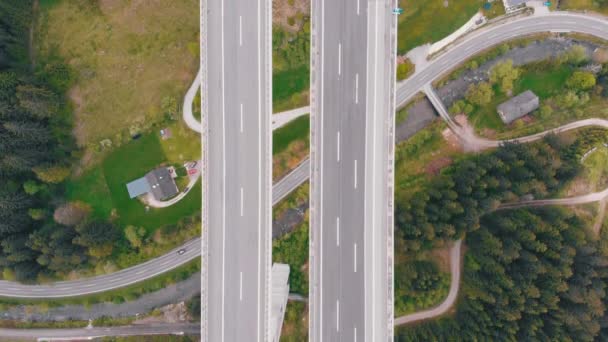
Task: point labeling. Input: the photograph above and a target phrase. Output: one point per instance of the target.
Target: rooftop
(518, 106)
(158, 182)
(161, 183)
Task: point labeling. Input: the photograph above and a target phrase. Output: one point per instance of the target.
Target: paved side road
(189, 118)
(90, 333)
(291, 181)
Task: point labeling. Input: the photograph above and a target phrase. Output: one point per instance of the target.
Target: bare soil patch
(283, 10)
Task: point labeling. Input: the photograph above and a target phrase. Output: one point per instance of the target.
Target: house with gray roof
(513, 5)
(518, 106)
(158, 182)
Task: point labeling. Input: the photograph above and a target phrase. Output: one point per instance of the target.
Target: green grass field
(543, 83)
(92, 189)
(290, 88)
(126, 56)
(428, 21)
(298, 129)
(184, 144)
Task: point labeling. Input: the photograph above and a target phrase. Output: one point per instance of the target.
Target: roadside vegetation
(600, 6)
(419, 284)
(429, 21)
(290, 56)
(292, 249)
(405, 69)
(290, 145)
(295, 325)
(420, 158)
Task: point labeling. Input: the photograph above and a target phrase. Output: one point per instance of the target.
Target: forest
(41, 235)
(528, 274)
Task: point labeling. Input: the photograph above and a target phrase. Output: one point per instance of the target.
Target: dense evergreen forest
(40, 234)
(529, 275)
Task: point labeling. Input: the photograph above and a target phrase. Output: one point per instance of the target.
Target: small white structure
(278, 299)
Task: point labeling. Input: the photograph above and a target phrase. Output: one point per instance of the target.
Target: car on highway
(181, 251)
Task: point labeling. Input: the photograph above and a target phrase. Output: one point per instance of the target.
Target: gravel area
(419, 116)
(289, 221)
(533, 52)
(175, 293)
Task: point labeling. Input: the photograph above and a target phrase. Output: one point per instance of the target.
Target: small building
(518, 106)
(158, 182)
(513, 5)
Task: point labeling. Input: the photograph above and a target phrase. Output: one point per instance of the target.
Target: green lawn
(544, 83)
(184, 144)
(290, 88)
(298, 129)
(428, 21)
(92, 189)
(132, 161)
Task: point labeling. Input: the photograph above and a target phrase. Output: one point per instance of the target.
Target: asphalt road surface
(484, 38)
(352, 78)
(238, 186)
(291, 181)
(89, 333)
(127, 276)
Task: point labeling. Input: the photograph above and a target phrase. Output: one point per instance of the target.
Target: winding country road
(455, 255)
(455, 55)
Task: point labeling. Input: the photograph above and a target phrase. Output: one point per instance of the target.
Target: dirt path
(599, 220)
(455, 255)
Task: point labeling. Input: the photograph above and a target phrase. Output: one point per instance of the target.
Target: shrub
(479, 94)
(581, 81)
